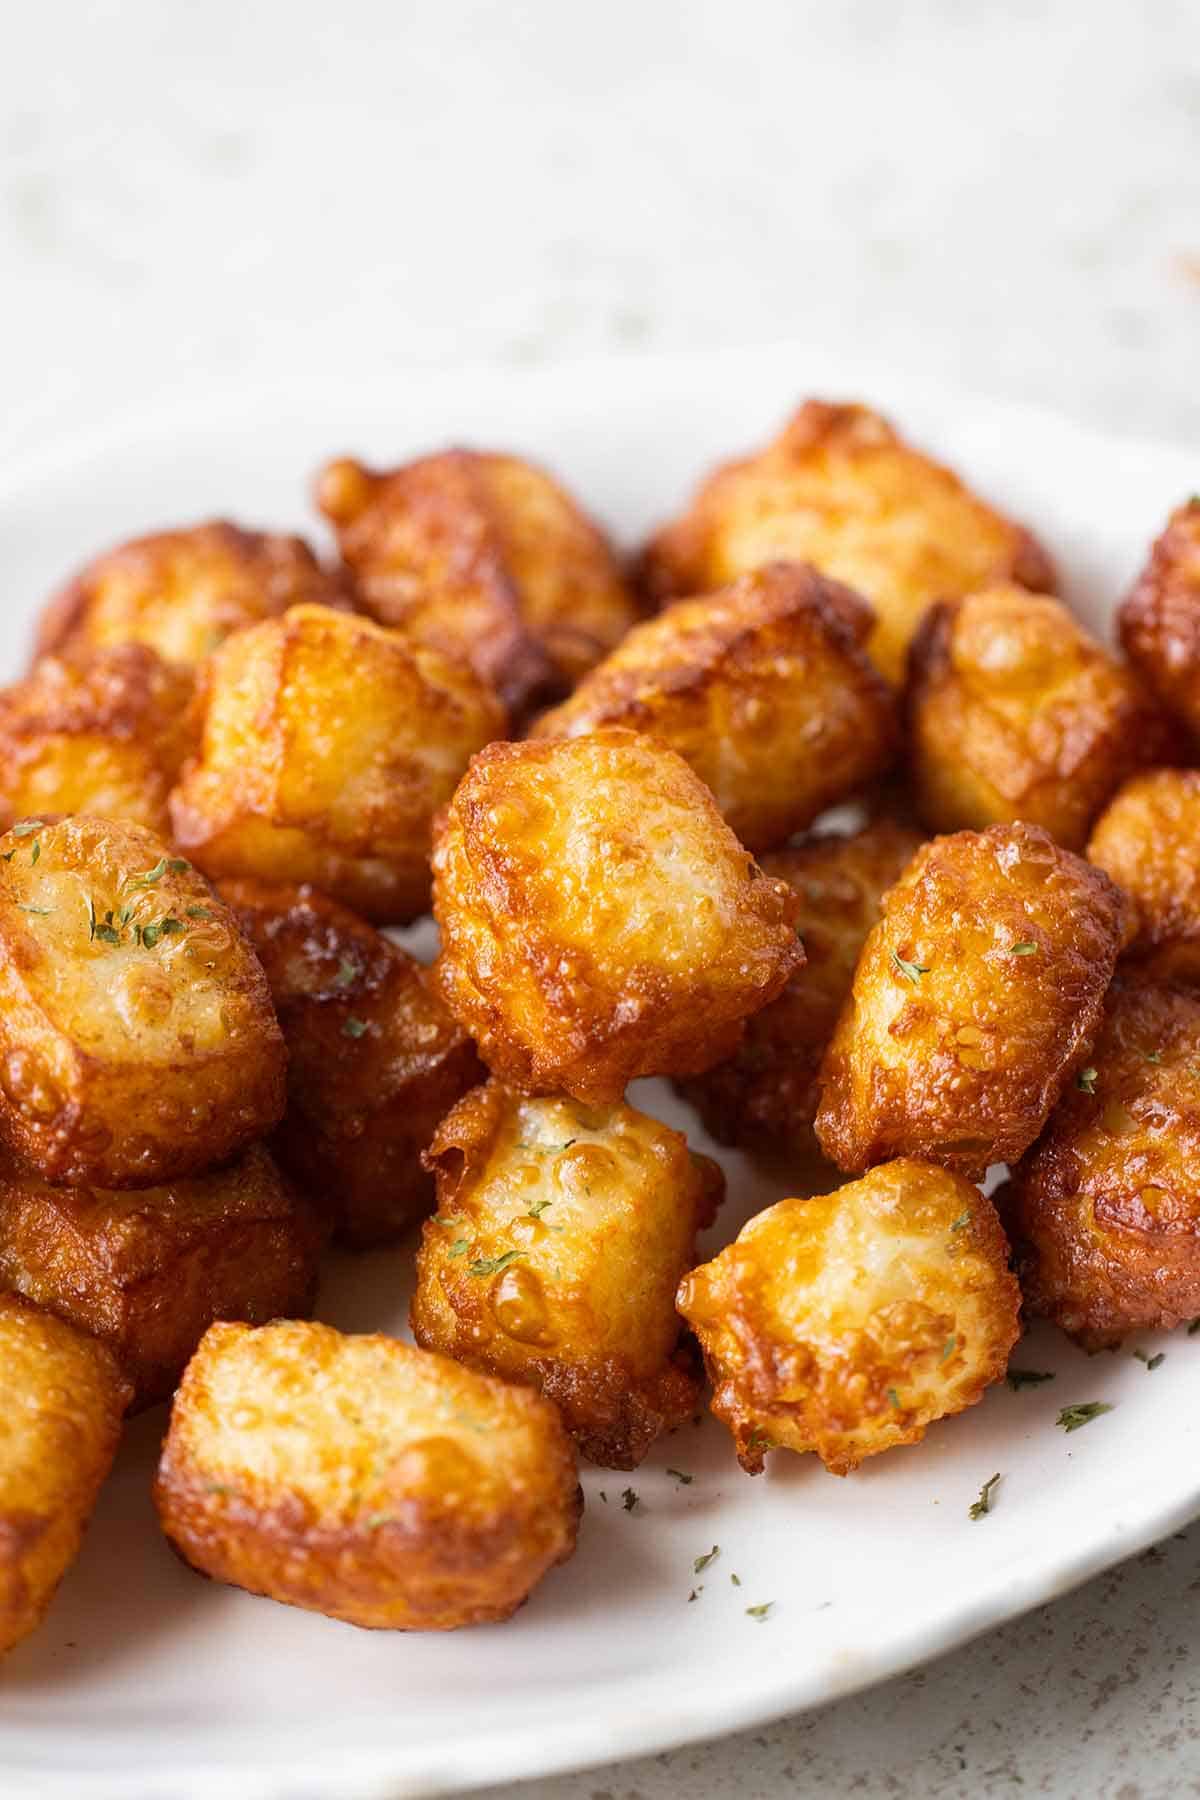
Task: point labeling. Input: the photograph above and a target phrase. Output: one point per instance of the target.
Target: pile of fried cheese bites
(231, 765)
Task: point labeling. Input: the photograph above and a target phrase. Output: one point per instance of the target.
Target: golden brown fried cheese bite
(363, 1479)
(767, 1092)
(61, 1403)
(1015, 712)
(137, 1038)
(483, 556)
(560, 1237)
(763, 688)
(976, 998)
(148, 1271)
(183, 592)
(1148, 840)
(849, 1322)
(840, 489)
(328, 745)
(599, 920)
(1104, 1210)
(104, 733)
(1159, 622)
(375, 1061)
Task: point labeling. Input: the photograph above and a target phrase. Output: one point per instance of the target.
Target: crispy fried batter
(841, 490)
(328, 745)
(848, 1323)
(560, 1237)
(358, 1477)
(599, 919)
(975, 999)
(137, 1038)
(149, 1271)
(767, 1092)
(1015, 712)
(1148, 840)
(374, 1059)
(61, 1401)
(104, 733)
(485, 556)
(1105, 1209)
(1160, 620)
(763, 688)
(183, 592)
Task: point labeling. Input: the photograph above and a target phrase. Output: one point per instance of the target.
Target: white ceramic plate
(146, 1681)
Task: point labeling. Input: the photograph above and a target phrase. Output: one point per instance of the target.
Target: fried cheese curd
(1148, 840)
(328, 743)
(767, 1093)
(104, 733)
(483, 556)
(599, 920)
(375, 1061)
(1159, 622)
(840, 489)
(849, 1322)
(1104, 1210)
(1015, 712)
(182, 593)
(560, 1237)
(61, 1403)
(975, 1000)
(137, 1037)
(147, 1271)
(363, 1479)
(763, 688)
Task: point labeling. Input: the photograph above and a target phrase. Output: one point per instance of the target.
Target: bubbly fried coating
(483, 556)
(1159, 621)
(375, 1061)
(148, 1271)
(137, 1038)
(1148, 840)
(763, 688)
(1104, 1210)
(183, 592)
(766, 1094)
(1015, 712)
(328, 745)
(363, 1479)
(61, 1402)
(976, 998)
(599, 920)
(849, 1322)
(560, 1237)
(840, 489)
(104, 733)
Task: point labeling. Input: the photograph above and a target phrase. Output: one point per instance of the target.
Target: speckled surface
(1003, 193)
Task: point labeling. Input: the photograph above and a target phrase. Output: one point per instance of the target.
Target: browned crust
(375, 1060)
(282, 571)
(148, 1272)
(1159, 621)
(966, 1101)
(1104, 1210)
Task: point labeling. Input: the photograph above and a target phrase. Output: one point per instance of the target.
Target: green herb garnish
(355, 1028)
(701, 1563)
(1151, 1362)
(1023, 1378)
(984, 1503)
(681, 1478)
(1085, 1081)
(1025, 949)
(1074, 1418)
(629, 1500)
(538, 1207)
(760, 1612)
(912, 971)
(492, 1265)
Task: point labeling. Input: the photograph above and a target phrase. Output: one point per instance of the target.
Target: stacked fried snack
(231, 766)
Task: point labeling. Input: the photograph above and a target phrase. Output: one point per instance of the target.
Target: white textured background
(195, 193)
